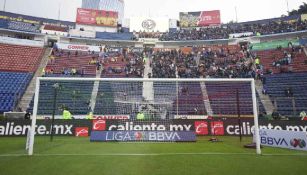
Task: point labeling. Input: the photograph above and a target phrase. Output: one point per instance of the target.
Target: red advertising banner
(200, 19)
(96, 17)
(209, 18)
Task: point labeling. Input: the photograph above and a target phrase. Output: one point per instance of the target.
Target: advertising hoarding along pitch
(96, 17)
(230, 127)
(283, 139)
(159, 136)
(200, 19)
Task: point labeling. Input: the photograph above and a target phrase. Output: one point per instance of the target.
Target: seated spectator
(289, 92)
(93, 61)
(51, 59)
(65, 71)
(73, 71)
(303, 115)
(276, 115)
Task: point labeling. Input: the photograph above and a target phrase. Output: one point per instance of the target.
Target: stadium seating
(75, 98)
(276, 86)
(79, 62)
(223, 98)
(18, 63)
(12, 87)
(267, 58)
(20, 58)
(165, 93)
(190, 100)
(55, 28)
(114, 36)
(116, 66)
(105, 104)
(115, 69)
(22, 26)
(3, 24)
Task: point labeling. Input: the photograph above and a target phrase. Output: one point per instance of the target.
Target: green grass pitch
(74, 156)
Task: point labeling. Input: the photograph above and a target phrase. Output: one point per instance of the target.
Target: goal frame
(39, 79)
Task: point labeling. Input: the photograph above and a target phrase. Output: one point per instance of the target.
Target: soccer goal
(71, 114)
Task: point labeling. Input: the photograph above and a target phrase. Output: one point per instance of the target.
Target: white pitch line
(13, 155)
(146, 154)
(127, 154)
(149, 154)
(284, 154)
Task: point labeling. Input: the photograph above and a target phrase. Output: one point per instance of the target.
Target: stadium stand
(3, 24)
(222, 98)
(122, 63)
(18, 63)
(293, 103)
(22, 26)
(55, 28)
(163, 64)
(190, 100)
(12, 87)
(114, 36)
(257, 28)
(64, 61)
(75, 98)
(115, 98)
(105, 100)
(283, 60)
(19, 58)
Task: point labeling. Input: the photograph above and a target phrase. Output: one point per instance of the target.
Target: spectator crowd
(209, 62)
(224, 31)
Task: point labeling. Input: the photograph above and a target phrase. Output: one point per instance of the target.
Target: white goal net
(142, 110)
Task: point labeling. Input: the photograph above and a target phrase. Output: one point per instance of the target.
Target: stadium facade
(109, 5)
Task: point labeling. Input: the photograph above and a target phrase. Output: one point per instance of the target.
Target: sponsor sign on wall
(159, 136)
(239, 35)
(274, 44)
(138, 24)
(200, 19)
(96, 17)
(84, 48)
(283, 139)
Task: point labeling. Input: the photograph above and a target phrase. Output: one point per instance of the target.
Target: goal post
(168, 96)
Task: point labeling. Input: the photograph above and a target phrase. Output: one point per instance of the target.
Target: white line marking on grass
(148, 154)
(12, 155)
(145, 154)
(285, 154)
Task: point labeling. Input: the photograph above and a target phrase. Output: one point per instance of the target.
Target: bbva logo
(273, 141)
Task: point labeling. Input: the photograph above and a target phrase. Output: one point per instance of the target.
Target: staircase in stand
(27, 97)
(265, 99)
